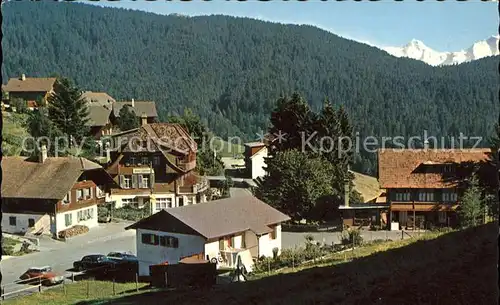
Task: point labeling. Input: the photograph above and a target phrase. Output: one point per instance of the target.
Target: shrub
(20, 105)
(130, 213)
(351, 237)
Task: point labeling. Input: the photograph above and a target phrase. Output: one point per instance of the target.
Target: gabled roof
(217, 218)
(30, 84)
(98, 98)
(23, 178)
(140, 107)
(399, 168)
(98, 114)
(161, 136)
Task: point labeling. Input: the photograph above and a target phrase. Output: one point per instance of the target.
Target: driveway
(239, 192)
(61, 255)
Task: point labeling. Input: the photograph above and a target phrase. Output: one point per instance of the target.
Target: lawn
(226, 149)
(13, 133)
(77, 292)
(438, 270)
(8, 245)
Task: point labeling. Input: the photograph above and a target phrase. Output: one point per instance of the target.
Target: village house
(255, 154)
(51, 194)
(219, 231)
(424, 186)
(155, 164)
(140, 108)
(30, 89)
(100, 106)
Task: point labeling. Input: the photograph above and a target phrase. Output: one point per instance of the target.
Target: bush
(130, 213)
(20, 105)
(351, 237)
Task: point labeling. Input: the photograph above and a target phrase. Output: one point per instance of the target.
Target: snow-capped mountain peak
(416, 49)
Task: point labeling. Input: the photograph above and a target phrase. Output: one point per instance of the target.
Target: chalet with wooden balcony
(51, 194)
(424, 186)
(155, 164)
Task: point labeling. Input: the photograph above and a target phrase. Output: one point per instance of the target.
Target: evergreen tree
(43, 132)
(296, 183)
(68, 111)
(128, 120)
(472, 207)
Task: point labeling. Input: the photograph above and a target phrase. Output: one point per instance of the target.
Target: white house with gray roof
(219, 231)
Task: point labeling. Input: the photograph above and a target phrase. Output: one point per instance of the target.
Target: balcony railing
(199, 187)
(187, 165)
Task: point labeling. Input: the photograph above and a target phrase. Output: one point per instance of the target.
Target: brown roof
(218, 218)
(98, 98)
(400, 168)
(140, 107)
(367, 186)
(161, 136)
(23, 178)
(98, 115)
(30, 84)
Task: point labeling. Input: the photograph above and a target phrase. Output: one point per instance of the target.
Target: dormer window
(448, 168)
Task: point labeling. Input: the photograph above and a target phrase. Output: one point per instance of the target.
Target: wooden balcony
(199, 187)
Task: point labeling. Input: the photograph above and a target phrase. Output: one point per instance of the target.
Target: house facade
(255, 154)
(424, 186)
(100, 106)
(30, 89)
(56, 193)
(155, 164)
(220, 231)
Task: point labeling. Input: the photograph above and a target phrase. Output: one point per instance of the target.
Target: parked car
(122, 256)
(94, 261)
(43, 275)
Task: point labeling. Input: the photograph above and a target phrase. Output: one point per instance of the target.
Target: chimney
(43, 153)
(426, 144)
(133, 102)
(144, 119)
(346, 188)
(23, 76)
(108, 152)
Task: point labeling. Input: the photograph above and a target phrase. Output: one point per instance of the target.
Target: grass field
(77, 292)
(13, 133)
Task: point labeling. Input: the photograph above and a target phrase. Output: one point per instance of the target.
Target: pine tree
(127, 119)
(68, 111)
(43, 131)
(472, 205)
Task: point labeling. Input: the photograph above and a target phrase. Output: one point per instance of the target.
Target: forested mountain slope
(232, 70)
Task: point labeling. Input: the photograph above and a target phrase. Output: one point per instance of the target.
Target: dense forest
(231, 71)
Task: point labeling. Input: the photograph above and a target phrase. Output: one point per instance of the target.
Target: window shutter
(121, 181)
(139, 178)
(176, 242)
(152, 180)
(134, 181)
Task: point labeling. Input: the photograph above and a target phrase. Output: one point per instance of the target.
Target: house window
(68, 219)
(149, 239)
(31, 222)
(449, 196)
(448, 168)
(100, 191)
(426, 196)
(222, 245)
(12, 221)
(130, 201)
(126, 182)
(145, 160)
(79, 195)
(181, 201)
(156, 160)
(131, 160)
(87, 193)
(144, 181)
(189, 200)
(442, 217)
(169, 241)
(402, 196)
(163, 203)
(66, 198)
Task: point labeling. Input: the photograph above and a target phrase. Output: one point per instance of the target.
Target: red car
(45, 275)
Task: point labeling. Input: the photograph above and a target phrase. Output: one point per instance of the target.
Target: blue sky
(443, 26)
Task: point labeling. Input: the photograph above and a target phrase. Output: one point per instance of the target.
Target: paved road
(61, 255)
(292, 239)
(239, 192)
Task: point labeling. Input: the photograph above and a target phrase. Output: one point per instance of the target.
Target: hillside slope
(232, 70)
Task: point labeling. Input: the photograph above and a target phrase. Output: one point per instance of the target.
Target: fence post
(136, 282)
(73, 277)
(268, 266)
(2, 290)
(64, 286)
(114, 291)
(402, 234)
(40, 284)
(88, 283)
